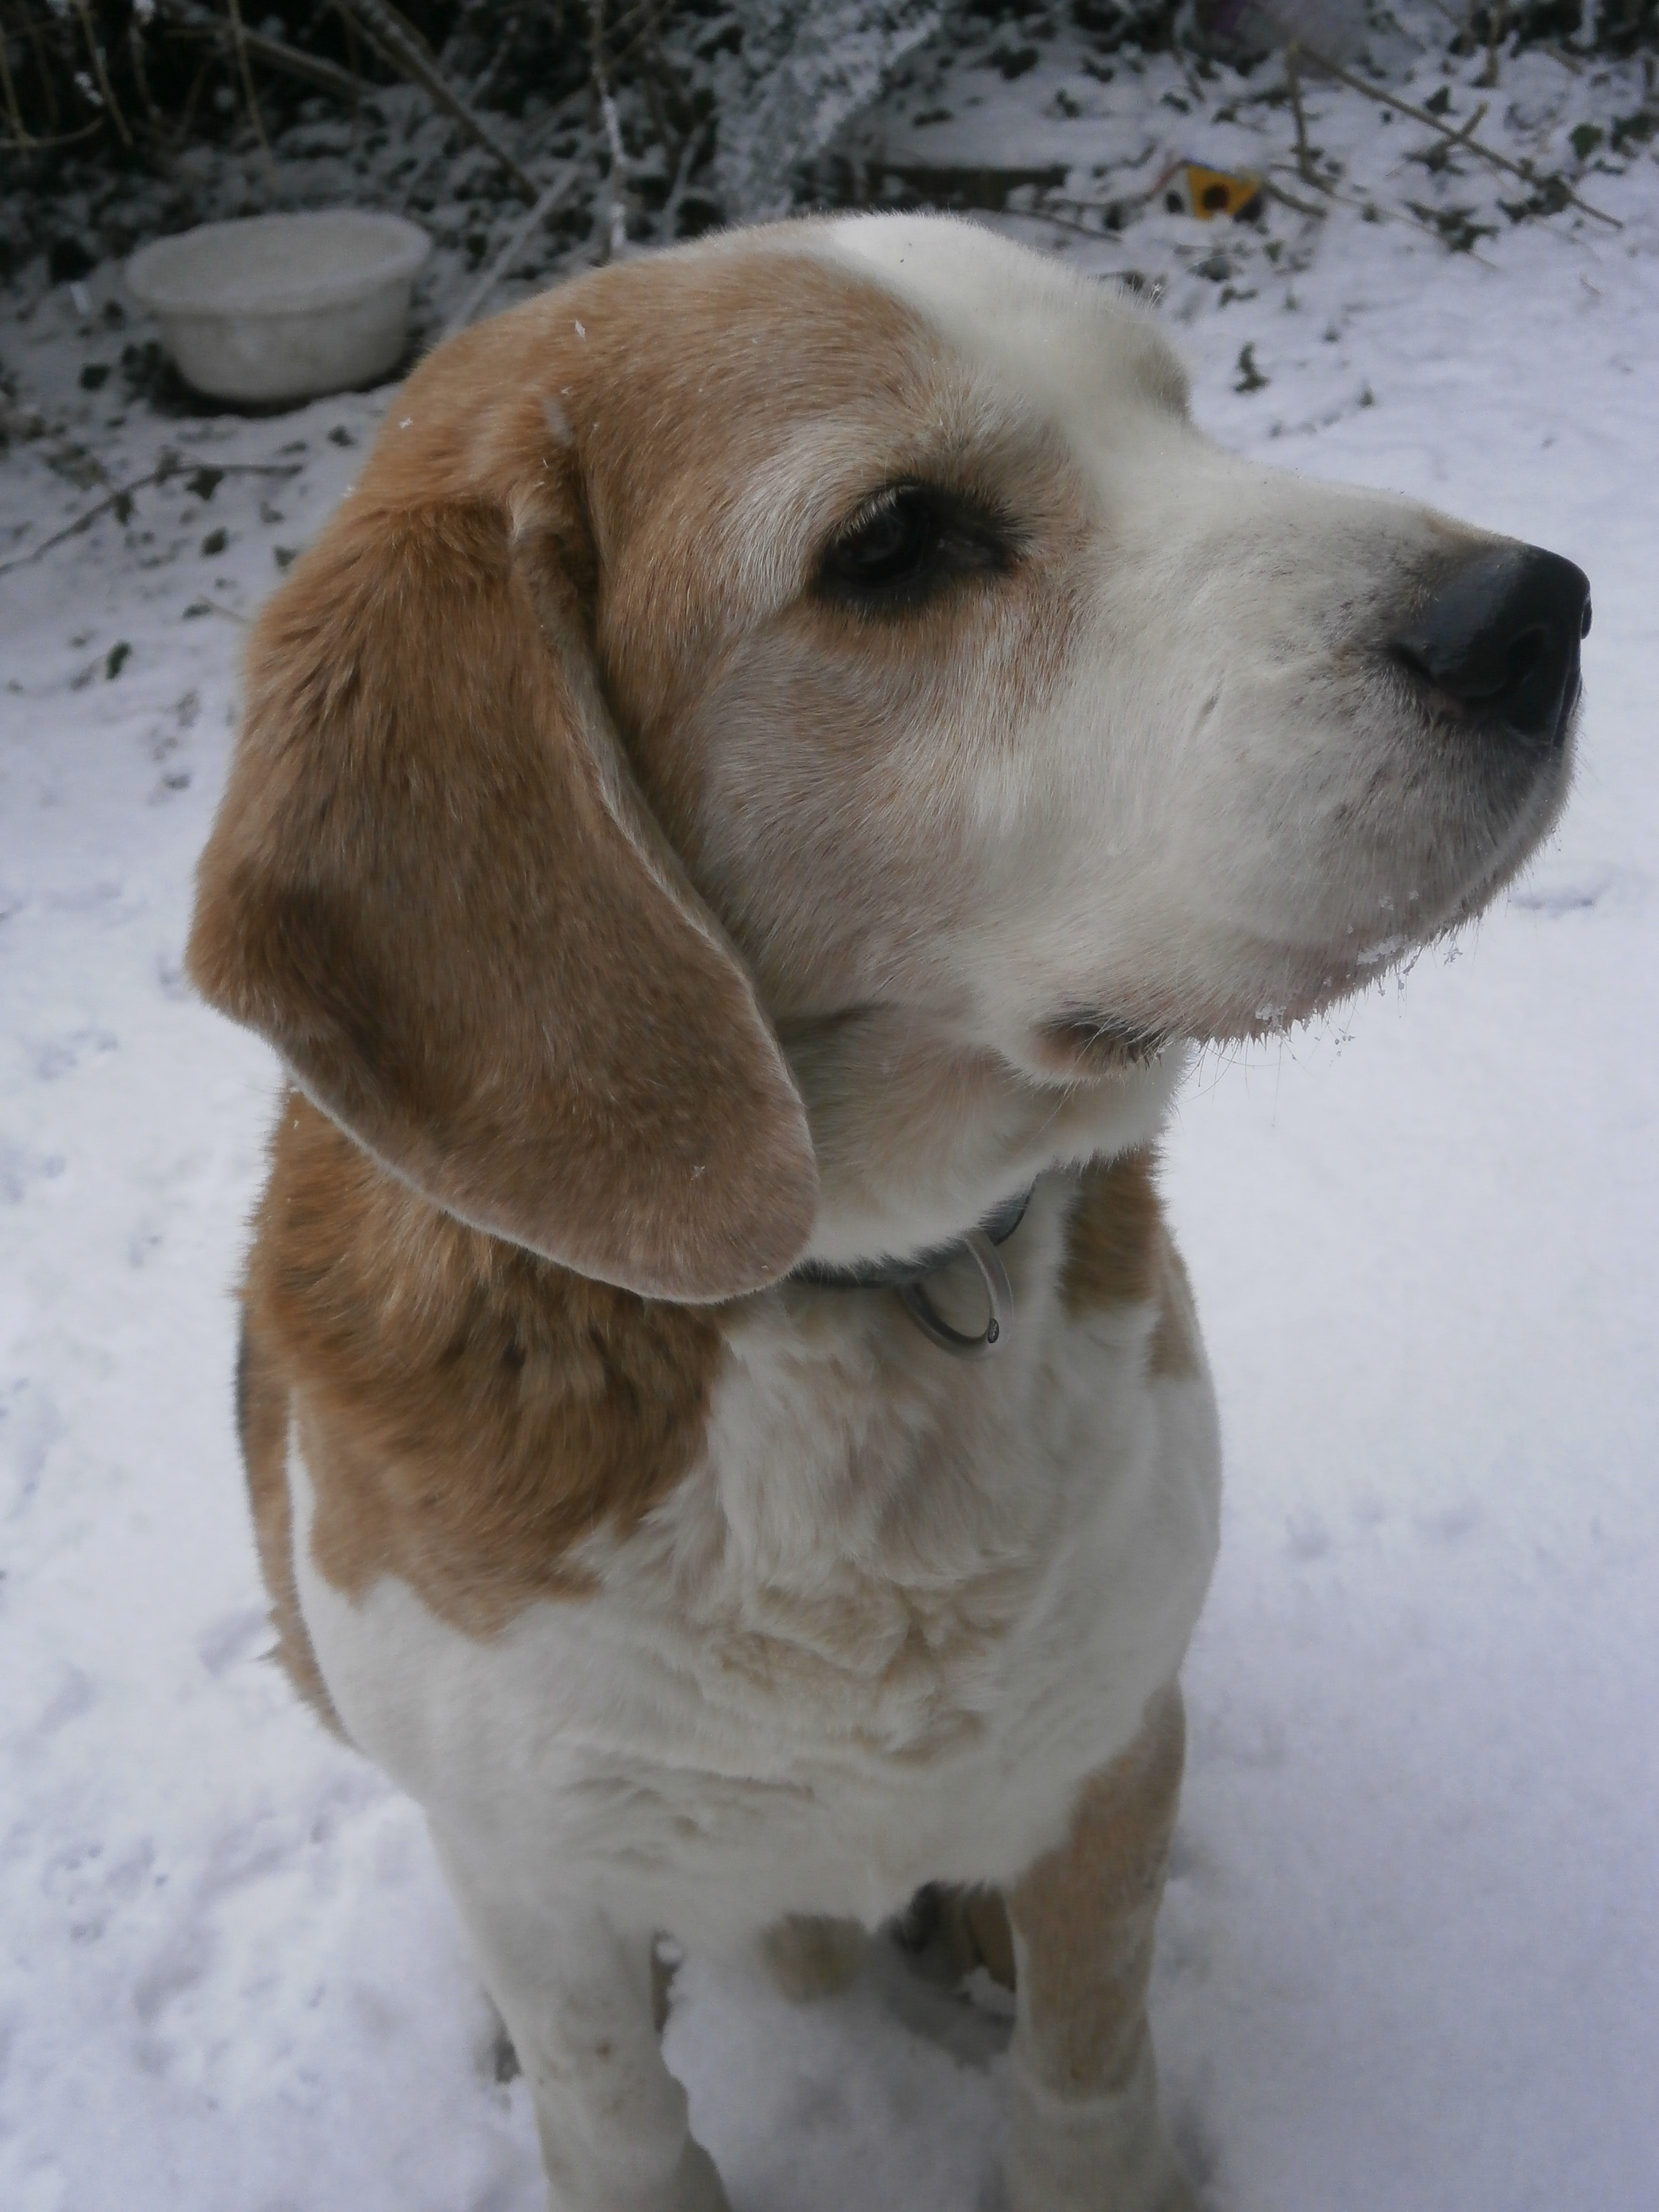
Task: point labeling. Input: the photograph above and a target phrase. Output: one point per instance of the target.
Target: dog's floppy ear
(432, 886)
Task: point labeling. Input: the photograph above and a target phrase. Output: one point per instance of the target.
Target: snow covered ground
(1410, 1956)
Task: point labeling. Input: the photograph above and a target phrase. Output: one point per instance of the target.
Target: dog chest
(876, 1635)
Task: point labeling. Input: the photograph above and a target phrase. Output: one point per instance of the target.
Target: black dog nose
(1501, 638)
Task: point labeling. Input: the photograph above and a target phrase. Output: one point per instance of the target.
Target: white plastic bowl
(283, 306)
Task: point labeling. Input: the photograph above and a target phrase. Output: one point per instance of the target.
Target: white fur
(877, 1636)
(899, 1609)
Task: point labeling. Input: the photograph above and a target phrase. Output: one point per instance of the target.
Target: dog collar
(909, 1276)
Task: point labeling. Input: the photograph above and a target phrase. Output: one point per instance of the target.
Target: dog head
(783, 737)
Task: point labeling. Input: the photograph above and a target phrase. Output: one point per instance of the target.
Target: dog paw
(1107, 2154)
(694, 2186)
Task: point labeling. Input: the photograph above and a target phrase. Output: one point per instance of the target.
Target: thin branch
(409, 29)
(1524, 170)
(654, 59)
(398, 47)
(1290, 200)
(45, 74)
(63, 139)
(617, 212)
(668, 222)
(25, 424)
(486, 77)
(15, 114)
(193, 97)
(1103, 236)
(106, 87)
(141, 78)
(1497, 25)
(1377, 211)
(244, 69)
(552, 198)
(1467, 130)
(170, 466)
(1305, 166)
(191, 22)
(547, 127)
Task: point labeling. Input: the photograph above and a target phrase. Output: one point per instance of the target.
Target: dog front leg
(1085, 2134)
(577, 1994)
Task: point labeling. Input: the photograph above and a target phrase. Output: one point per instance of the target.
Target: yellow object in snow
(1191, 188)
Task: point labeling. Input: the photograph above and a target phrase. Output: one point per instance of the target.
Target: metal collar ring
(994, 1276)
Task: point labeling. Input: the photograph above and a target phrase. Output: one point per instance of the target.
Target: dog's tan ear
(433, 887)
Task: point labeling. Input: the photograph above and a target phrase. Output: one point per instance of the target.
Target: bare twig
(656, 63)
(245, 68)
(1100, 237)
(1184, 64)
(548, 127)
(1305, 166)
(141, 78)
(410, 29)
(1376, 212)
(553, 198)
(1289, 199)
(106, 90)
(43, 72)
(668, 222)
(192, 98)
(1498, 24)
(502, 50)
(25, 424)
(171, 464)
(196, 22)
(1524, 170)
(62, 138)
(397, 45)
(14, 113)
(1466, 131)
(615, 206)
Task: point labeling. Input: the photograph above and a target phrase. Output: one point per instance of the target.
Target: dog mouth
(1085, 1043)
(1525, 738)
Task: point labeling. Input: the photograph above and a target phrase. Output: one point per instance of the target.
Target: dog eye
(905, 545)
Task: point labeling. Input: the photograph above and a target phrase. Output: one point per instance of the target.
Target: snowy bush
(647, 120)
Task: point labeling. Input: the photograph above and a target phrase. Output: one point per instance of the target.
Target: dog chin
(1090, 1045)
(1085, 1047)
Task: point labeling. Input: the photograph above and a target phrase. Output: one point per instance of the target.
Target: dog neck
(896, 1274)
(909, 1278)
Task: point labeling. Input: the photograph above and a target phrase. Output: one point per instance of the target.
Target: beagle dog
(739, 821)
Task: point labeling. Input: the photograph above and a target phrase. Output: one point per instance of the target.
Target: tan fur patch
(1114, 1241)
(468, 1412)
(262, 1417)
(1119, 1252)
(1173, 1350)
(1084, 1913)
